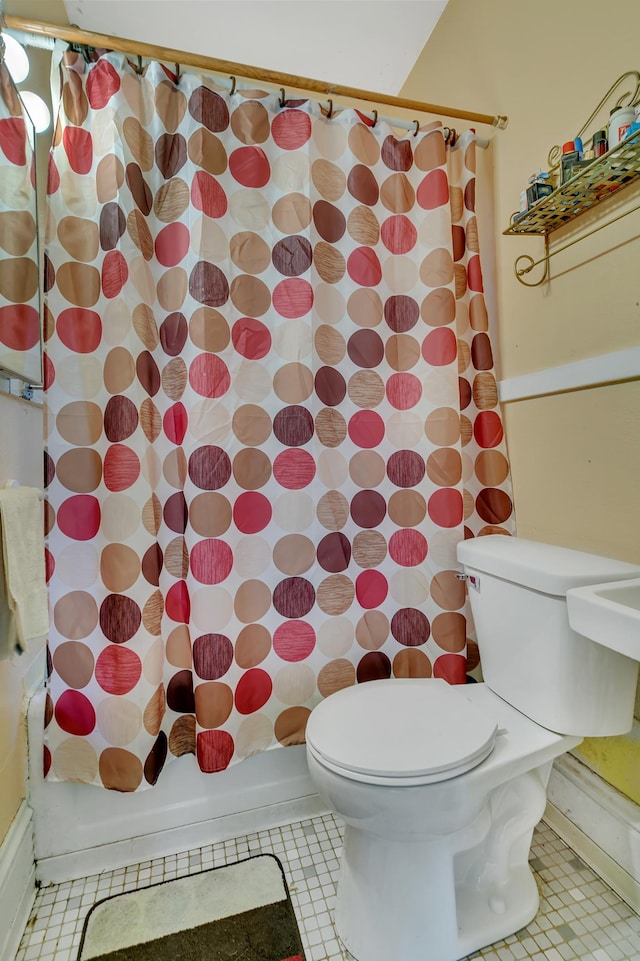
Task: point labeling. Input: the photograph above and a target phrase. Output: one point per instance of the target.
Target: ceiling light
(37, 109)
(15, 58)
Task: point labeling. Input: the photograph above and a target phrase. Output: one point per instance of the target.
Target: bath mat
(239, 912)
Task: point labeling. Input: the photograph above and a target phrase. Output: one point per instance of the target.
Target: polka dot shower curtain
(271, 415)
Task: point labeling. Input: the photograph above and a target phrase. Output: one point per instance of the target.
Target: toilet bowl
(440, 787)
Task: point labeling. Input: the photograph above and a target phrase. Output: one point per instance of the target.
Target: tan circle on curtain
(252, 646)
(363, 226)
(80, 375)
(254, 735)
(171, 200)
(365, 307)
(142, 279)
(366, 389)
(292, 340)
(119, 370)
(250, 208)
(154, 662)
(176, 557)
(116, 322)
(411, 663)
(18, 232)
(74, 663)
(252, 382)
(407, 508)
(120, 517)
(335, 594)
(251, 424)
(329, 303)
(77, 565)
(442, 427)
(292, 213)
(485, 391)
(399, 273)
(109, 178)
(252, 601)
(363, 144)
(211, 609)
(174, 378)
(210, 514)
(251, 468)
(369, 549)
(447, 590)
(140, 234)
(151, 515)
(442, 548)
(456, 203)
(171, 105)
(140, 143)
(449, 631)
(335, 637)
(78, 283)
(182, 737)
(331, 427)
(290, 171)
(292, 383)
(330, 138)
(119, 567)
(208, 240)
(439, 387)
(491, 468)
(438, 309)
(409, 587)
(468, 504)
(335, 676)
(333, 510)
(372, 630)
(80, 423)
(151, 467)
(462, 317)
(174, 468)
(214, 703)
(328, 179)
(397, 194)
(430, 151)
(444, 467)
(74, 759)
(329, 262)
(119, 720)
(333, 468)
(250, 123)
(367, 468)
(144, 324)
(179, 647)
(294, 554)
(404, 429)
(436, 269)
(249, 252)
(402, 352)
(154, 711)
(207, 151)
(466, 430)
(330, 345)
(209, 330)
(464, 355)
(172, 288)
(460, 273)
(79, 237)
(139, 95)
(120, 770)
(250, 295)
(290, 725)
(294, 512)
(150, 420)
(75, 615)
(294, 683)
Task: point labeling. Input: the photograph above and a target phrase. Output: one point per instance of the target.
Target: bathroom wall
(575, 455)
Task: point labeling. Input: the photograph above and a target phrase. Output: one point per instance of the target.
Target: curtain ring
(233, 86)
(375, 118)
(282, 97)
(177, 73)
(415, 132)
(139, 67)
(330, 111)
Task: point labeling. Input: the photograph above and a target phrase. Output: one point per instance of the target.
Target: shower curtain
(272, 415)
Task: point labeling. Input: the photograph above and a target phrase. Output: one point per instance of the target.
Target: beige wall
(575, 456)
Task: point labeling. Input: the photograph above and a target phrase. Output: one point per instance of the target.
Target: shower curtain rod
(211, 64)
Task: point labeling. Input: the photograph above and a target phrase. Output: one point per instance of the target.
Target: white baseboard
(17, 882)
(600, 824)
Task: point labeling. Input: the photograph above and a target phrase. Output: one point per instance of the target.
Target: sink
(608, 614)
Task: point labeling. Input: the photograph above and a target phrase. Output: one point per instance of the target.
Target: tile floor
(580, 917)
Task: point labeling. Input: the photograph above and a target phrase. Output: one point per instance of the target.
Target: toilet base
(441, 898)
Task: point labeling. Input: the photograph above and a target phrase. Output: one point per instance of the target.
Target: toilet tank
(530, 656)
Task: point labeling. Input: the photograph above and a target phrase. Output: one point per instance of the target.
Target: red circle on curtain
(474, 274)
(13, 139)
(366, 429)
(118, 669)
(121, 468)
(75, 714)
(291, 129)
(79, 329)
(253, 690)
(407, 547)
(371, 589)
(445, 507)
(251, 512)
(404, 391)
(175, 423)
(19, 326)
(294, 640)
(433, 191)
(251, 338)
(451, 667)
(209, 376)
(78, 146)
(440, 347)
(177, 604)
(398, 234)
(214, 750)
(115, 274)
(487, 429)
(172, 244)
(211, 561)
(207, 195)
(293, 298)
(102, 83)
(294, 469)
(364, 267)
(250, 166)
(79, 517)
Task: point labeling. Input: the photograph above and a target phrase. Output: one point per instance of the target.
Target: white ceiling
(371, 44)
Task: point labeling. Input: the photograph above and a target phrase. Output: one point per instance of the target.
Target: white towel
(24, 609)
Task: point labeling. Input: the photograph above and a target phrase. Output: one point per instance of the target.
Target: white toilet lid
(401, 728)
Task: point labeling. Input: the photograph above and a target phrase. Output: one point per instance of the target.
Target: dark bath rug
(239, 912)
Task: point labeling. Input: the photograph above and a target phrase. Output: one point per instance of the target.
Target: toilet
(441, 786)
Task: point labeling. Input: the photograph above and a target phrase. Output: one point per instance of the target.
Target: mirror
(20, 344)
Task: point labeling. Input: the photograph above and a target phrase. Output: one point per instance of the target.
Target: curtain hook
(233, 86)
(375, 118)
(140, 68)
(330, 111)
(415, 132)
(282, 97)
(177, 73)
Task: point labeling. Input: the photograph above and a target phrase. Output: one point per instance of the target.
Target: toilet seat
(400, 731)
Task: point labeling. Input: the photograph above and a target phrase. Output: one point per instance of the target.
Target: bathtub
(80, 829)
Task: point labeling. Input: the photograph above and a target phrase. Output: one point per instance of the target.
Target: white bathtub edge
(598, 823)
(17, 882)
